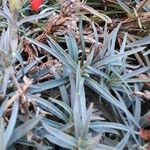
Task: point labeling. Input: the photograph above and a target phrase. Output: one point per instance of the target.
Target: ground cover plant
(74, 75)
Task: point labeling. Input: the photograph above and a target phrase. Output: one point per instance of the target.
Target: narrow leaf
(60, 135)
(24, 129)
(12, 122)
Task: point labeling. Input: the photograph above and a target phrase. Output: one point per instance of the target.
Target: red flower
(35, 4)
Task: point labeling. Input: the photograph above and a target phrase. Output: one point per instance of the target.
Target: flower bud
(35, 5)
(16, 5)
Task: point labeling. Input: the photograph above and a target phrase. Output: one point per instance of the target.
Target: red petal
(35, 4)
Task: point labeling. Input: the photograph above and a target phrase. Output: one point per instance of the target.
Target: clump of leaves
(85, 88)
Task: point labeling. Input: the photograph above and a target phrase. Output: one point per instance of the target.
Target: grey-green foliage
(10, 51)
(113, 74)
(70, 121)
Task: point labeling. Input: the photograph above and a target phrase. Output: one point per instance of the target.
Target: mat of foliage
(75, 75)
